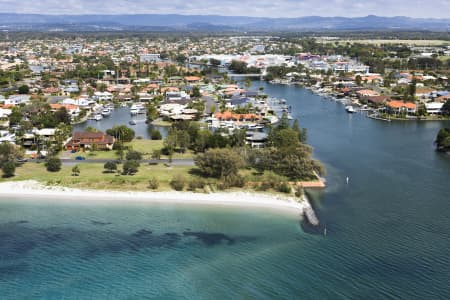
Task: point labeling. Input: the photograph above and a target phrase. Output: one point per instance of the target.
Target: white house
(103, 96)
(434, 108)
(17, 100)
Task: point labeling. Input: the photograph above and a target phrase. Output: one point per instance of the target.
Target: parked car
(80, 158)
(22, 160)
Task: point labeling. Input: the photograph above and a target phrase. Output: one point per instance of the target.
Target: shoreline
(33, 190)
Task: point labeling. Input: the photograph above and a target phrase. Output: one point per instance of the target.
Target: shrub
(178, 182)
(299, 192)
(9, 169)
(53, 164)
(76, 171)
(110, 166)
(153, 183)
(156, 154)
(130, 167)
(155, 134)
(284, 187)
(196, 183)
(134, 155)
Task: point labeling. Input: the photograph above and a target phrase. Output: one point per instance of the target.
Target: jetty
(376, 117)
(309, 214)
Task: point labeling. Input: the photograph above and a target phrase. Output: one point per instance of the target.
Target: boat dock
(375, 117)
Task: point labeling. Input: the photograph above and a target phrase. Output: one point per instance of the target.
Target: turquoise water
(388, 230)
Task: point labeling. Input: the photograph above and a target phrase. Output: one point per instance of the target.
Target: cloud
(260, 8)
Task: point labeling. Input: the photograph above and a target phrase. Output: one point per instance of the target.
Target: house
(14, 100)
(103, 96)
(89, 140)
(4, 117)
(229, 116)
(72, 109)
(377, 100)
(396, 106)
(177, 96)
(434, 108)
(192, 79)
(364, 94)
(256, 139)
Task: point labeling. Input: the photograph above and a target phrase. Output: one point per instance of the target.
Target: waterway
(122, 116)
(387, 229)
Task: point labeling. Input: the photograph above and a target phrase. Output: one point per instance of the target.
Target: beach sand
(35, 190)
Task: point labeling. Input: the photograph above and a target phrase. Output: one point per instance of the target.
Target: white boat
(290, 117)
(350, 109)
(137, 108)
(132, 122)
(98, 117)
(106, 112)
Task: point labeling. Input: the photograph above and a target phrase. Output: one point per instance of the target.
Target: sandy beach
(35, 190)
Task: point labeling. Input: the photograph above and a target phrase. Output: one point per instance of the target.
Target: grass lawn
(146, 147)
(92, 176)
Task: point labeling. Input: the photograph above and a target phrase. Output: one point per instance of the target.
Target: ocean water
(387, 230)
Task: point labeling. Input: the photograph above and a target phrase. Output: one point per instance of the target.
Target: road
(175, 162)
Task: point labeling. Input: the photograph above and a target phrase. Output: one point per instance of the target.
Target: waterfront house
(376, 100)
(434, 108)
(396, 106)
(364, 94)
(88, 140)
(229, 116)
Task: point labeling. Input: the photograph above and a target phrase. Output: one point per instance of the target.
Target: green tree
(153, 183)
(134, 155)
(178, 182)
(76, 171)
(196, 92)
(219, 163)
(443, 140)
(9, 152)
(155, 134)
(156, 154)
(152, 112)
(130, 167)
(358, 80)
(53, 164)
(120, 153)
(9, 169)
(24, 89)
(110, 166)
(284, 138)
(446, 108)
(122, 133)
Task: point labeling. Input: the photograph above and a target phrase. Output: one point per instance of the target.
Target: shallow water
(387, 230)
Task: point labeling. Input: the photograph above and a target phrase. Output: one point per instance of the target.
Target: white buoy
(347, 179)
(325, 231)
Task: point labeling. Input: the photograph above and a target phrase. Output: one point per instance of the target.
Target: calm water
(122, 116)
(388, 230)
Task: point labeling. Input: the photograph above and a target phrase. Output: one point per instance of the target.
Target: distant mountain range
(11, 21)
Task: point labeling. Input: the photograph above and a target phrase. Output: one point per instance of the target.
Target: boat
(98, 117)
(137, 108)
(350, 109)
(289, 117)
(132, 122)
(106, 112)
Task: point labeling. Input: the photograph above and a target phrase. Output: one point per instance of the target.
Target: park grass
(160, 122)
(146, 147)
(92, 176)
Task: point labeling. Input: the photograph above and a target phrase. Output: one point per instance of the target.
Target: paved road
(175, 162)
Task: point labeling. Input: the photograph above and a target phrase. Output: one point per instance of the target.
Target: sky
(257, 8)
